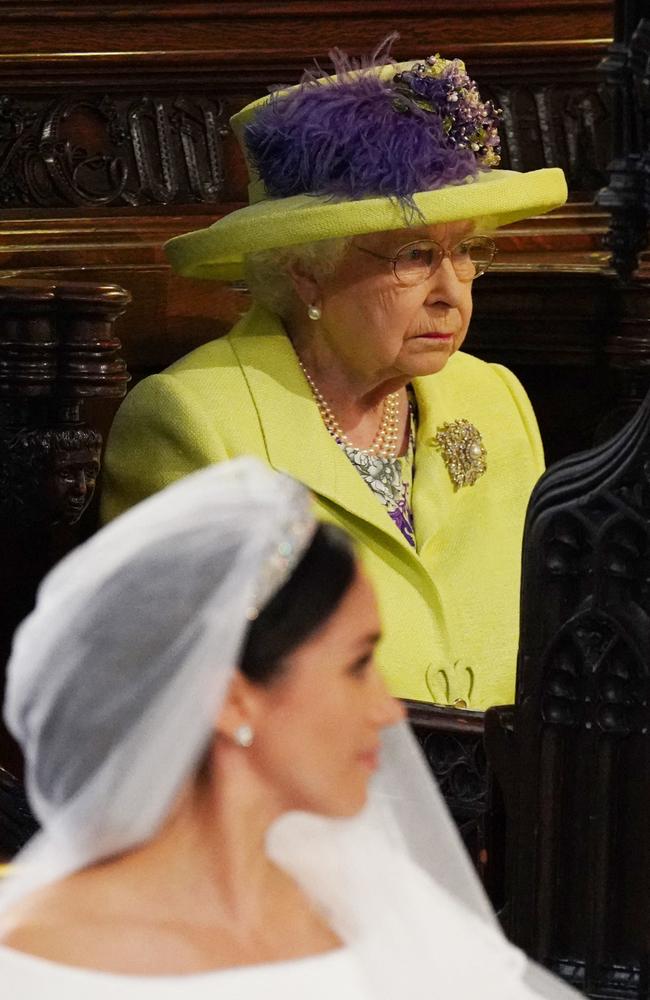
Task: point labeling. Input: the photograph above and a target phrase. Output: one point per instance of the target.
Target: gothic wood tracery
(99, 150)
(452, 743)
(573, 755)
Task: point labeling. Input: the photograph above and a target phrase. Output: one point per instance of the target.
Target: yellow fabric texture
(450, 609)
(497, 197)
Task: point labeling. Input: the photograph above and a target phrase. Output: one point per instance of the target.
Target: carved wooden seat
(58, 353)
(452, 742)
(573, 755)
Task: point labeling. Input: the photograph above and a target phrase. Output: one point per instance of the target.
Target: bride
(231, 804)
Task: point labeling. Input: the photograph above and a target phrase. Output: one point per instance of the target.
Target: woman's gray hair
(267, 271)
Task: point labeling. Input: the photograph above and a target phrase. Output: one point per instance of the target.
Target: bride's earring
(244, 735)
(314, 312)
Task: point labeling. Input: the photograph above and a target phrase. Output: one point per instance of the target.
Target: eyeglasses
(417, 261)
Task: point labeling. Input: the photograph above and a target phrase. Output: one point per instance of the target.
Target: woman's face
(318, 725)
(381, 328)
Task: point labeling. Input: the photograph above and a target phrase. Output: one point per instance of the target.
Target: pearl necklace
(385, 442)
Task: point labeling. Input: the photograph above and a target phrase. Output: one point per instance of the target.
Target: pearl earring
(244, 735)
(314, 312)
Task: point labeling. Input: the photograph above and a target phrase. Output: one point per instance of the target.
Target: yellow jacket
(450, 609)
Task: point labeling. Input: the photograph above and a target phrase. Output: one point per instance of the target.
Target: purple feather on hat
(358, 135)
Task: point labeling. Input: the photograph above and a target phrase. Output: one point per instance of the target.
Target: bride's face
(318, 727)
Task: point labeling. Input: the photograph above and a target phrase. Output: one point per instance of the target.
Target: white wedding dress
(320, 977)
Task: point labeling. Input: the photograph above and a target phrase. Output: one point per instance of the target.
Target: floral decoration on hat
(444, 88)
(378, 130)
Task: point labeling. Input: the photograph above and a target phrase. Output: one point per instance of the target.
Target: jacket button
(459, 703)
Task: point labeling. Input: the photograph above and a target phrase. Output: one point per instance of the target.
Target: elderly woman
(371, 195)
(221, 815)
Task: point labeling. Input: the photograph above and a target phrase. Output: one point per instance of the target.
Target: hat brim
(496, 197)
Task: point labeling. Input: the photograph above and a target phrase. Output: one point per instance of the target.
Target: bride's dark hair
(308, 598)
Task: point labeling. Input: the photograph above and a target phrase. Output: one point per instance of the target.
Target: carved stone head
(74, 464)
(51, 475)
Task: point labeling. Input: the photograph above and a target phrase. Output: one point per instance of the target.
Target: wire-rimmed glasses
(416, 262)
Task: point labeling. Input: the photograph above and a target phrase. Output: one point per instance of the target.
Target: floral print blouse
(390, 479)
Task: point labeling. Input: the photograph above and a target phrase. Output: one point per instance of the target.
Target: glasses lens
(415, 262)
(473, 257)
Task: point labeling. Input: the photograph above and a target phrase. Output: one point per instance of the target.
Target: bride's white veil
(114, 685)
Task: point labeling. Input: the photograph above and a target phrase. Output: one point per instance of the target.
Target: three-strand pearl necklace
(385, 443)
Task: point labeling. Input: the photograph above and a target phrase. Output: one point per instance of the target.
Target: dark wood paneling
(301, 28)
(573, 754)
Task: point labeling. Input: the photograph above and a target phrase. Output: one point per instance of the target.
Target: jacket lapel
(296, 439)
(432, 497)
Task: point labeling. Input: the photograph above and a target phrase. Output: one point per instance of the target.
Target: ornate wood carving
(573, 756)
(551, 124)
(95, 151)
(57, 348)
(58, 351)
(48, 475)
(452, 742)
(624, 71)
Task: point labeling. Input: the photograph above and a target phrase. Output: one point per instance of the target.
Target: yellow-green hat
(367, 150)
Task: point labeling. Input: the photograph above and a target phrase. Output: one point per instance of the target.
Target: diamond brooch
(463, 452)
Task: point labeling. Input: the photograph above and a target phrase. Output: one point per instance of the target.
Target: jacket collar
(296, 439)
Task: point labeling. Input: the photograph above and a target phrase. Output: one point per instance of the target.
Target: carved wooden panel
(452, 743)
(627, 195)
(96, 148)
(57, 348)
(574, 753)
(550, 124)
(58, 353)
(95, 151)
